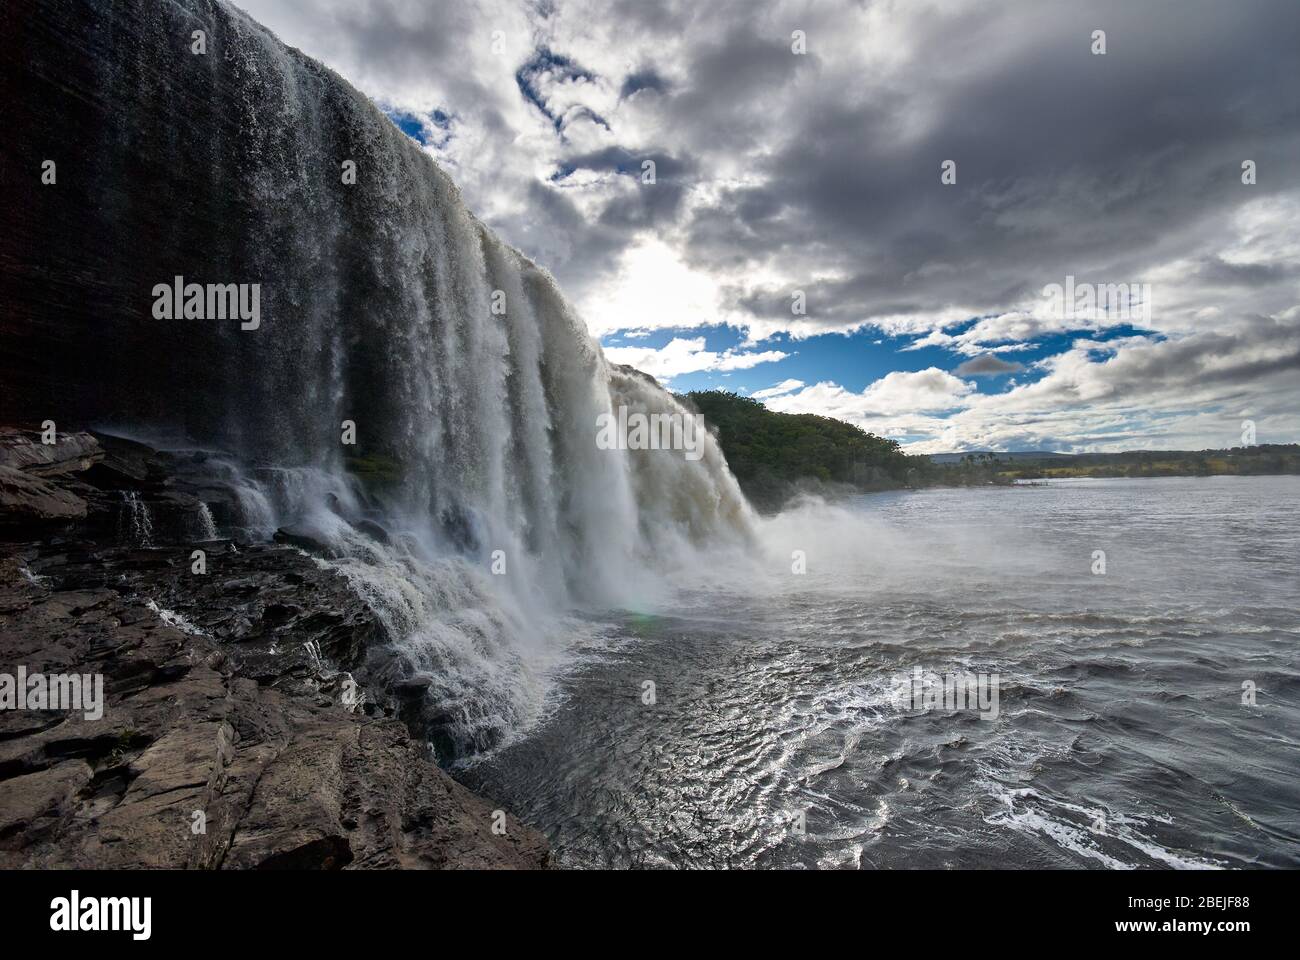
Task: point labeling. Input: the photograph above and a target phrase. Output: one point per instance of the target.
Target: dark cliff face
(145, 171)
(170, 162)
(221, 167)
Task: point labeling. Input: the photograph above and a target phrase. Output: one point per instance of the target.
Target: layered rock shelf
(244, 725)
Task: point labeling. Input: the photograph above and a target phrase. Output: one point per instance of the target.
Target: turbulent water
(777, 739)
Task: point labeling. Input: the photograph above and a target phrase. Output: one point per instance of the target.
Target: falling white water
(475, 512)
(207, 524)
(174, 619)
(135, 520)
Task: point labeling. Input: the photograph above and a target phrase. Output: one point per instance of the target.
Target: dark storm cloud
(553, 230)
(627, 162)
(1259, 348)
(987, 365)
(731, 74)
(647, 79)
(649, 204)
(824, 169)
(555, 67)
(1066, 162)
(1218, 271)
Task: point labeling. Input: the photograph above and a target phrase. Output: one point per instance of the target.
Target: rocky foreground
(243, 726)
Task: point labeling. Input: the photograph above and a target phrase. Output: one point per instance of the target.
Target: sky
(872, 210)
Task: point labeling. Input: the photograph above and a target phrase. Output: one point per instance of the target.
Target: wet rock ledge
(240, 728)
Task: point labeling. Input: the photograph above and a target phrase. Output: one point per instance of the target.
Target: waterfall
(207, 523)
(135, 522)
(473, 508)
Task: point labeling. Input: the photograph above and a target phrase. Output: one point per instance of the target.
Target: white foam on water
(1029, 811)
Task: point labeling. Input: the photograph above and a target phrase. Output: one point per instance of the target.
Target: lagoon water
(776, 737)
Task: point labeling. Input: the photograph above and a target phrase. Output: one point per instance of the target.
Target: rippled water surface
(776, 738)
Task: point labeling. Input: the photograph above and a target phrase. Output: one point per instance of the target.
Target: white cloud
(653, 289)
(681, 356)
(1188, 392)
(896, 394)
(785, 386)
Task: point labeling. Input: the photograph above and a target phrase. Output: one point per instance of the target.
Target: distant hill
(1006, 457)
(775, 455)
(1266, 458)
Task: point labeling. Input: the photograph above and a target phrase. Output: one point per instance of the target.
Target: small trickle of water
(174, 619)
(207, 525)
(136, 522)
(35, 579)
